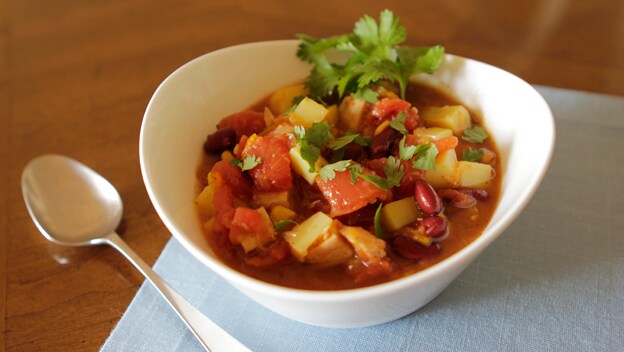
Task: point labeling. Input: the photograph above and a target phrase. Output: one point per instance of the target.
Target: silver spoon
(73, 205)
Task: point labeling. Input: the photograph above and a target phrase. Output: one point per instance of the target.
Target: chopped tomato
(224, 208)
(388, 108)
(274, 171)
(411, 122)
(345, 197)
(244, 123)
(250, 229)
(446, 144)
(233, 176)
(277, 253)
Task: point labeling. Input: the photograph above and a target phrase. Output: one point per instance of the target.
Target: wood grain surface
(76, 76)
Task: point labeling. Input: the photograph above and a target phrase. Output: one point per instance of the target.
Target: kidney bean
(383, 143)
(412, 250)
(457, 199)
(477, 193)
(427, 198)
(222, 139)
(435, 226)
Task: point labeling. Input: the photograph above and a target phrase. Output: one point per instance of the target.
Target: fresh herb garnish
(472, 155)
(424, 153)
(374, 55)
(349, 137)
(311, 140)
(425, 156)
(366, 94)
(328, 172)
(248, 163)
(475, 135)
(394, 173)
(281, 225)
(379, 231)
(399, 123)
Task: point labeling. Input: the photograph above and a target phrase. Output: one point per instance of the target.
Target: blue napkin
(554, 281)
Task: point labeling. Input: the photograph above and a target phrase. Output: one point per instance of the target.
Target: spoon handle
(209, 334)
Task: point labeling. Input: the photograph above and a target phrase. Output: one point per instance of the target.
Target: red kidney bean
(457, 199)
(224, 138)
(412, 250)
(382, 143)
(427, 198)
(477, 193)
(435, 226)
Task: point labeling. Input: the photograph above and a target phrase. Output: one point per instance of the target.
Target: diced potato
(301, 166)
(455, 118)
(282, 99)
(351, 112)
(446, 173)
(205, 200)
(332, 115)
(331, 251)
(307, 112)
(433, 133)
(270, 199)
(282, 213)
(302, 236)
(474, 174)
(368, 247)
(399, 213)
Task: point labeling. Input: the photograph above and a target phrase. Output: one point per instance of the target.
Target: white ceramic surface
(189, 103)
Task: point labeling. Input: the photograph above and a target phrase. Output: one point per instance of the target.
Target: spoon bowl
(73, 205)
(95, 208)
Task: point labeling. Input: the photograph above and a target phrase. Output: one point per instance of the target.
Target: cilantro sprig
(423, 155)
(311, 141)
(475, 135)
(374, 54)
(472, 154)
(393, 169)
(248, 163)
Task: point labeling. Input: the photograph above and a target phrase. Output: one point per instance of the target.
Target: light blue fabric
(554, 281)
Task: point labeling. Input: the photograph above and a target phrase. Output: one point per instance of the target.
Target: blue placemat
(553, 282)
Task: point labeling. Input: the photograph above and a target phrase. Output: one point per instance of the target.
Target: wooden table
(75, 78)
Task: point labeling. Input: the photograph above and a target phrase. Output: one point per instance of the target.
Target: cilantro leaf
(399, 123)
(394, 173)
(425, 156)
(406, 153)
(248, 163)
(350, 137)
(379, 230)
(366, 94)
(328, 172)
(472, 155)
(319, 133)
(281, 225)
(311, 141)
(373, 54)
(475, 135)
(413, 60)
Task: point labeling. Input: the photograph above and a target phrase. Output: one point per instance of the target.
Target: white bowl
(189, 103)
